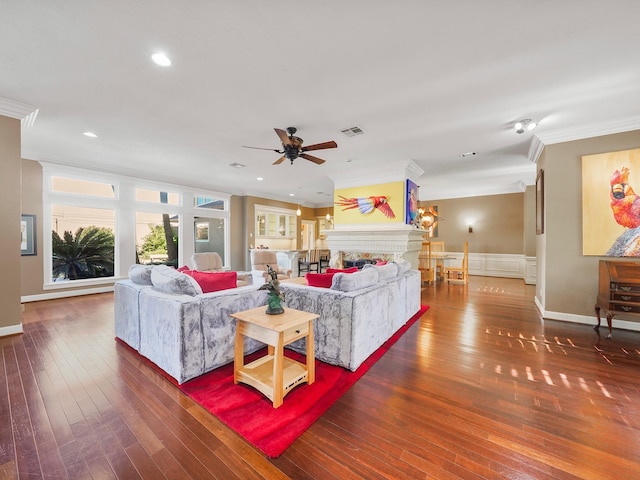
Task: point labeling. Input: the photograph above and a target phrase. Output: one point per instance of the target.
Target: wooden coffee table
(274, 374)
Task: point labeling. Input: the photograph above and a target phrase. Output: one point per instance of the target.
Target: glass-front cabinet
(272, 222)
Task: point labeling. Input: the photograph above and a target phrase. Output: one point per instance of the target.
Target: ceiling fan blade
(284, 138)
(320, 146)
(312, 158)
(279, 161)
(261, 148)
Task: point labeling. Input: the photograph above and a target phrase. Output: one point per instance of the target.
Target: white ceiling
(427, 81)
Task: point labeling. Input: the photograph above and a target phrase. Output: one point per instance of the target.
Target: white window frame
(125, 207)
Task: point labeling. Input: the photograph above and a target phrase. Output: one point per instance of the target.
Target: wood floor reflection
(479, 388)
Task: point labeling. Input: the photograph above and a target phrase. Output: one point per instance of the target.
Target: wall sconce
(470, 229)
(298, 211)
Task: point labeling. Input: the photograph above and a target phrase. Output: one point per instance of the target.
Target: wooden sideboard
(618, 290)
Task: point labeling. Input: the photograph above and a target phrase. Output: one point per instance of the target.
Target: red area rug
(251, 414)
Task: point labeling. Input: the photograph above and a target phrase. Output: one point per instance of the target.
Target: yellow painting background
(599, 228)
(394, 191)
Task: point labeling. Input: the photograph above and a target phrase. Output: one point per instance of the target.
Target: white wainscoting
(498, 265)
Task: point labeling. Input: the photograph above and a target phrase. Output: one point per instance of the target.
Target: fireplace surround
(366, 244)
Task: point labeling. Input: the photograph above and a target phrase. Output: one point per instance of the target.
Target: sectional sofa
(163, 314)
(359, 312)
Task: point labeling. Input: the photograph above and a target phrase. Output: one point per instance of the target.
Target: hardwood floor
(479, 388)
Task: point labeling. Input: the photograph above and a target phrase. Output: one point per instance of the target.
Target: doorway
(308, 234)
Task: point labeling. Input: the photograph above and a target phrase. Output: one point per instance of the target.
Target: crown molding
(25, 113)
(396, 172)
(579, 132)
(535, 149)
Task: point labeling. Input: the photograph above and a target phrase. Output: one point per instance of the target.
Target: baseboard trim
(498, 265)
(11, 330)
(65, 294)
(588, 320)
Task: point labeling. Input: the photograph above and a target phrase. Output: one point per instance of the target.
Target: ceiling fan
(292, 147)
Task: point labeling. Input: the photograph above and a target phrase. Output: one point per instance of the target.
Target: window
(211, 203)
(210, 235)
(82, 187)
(123, 220)
(157, 238)
(82, 243)
(157, 196)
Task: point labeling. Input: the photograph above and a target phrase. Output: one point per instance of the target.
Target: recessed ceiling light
(90, 134)
(260, 179)
(237, 165)
(292, 194)
(161, 59)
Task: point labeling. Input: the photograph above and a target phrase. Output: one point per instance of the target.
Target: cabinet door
(261, 224)
(292, 226)
(272, 224)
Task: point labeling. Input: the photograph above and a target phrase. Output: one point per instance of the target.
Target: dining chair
(424, 263)
(437, 256)
(310, 263)
(459, 273)
(325, 257)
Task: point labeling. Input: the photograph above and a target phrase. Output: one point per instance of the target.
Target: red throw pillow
(380, 262)
(342, 270)
(184, 269)
(319, 279)
(214, 281)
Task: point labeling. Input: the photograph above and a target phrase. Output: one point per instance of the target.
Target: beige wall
(567, 280)
(530, 221)
(243, 225)
(497, 220)
(32, 268)
(10, 316)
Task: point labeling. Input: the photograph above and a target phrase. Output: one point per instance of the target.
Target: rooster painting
(367, 205)
(625, 204)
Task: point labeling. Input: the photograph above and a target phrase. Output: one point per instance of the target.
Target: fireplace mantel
(401, 241)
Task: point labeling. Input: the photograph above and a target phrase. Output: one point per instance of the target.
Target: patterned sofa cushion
(140, 274)
(348, 282)
(168, 280)
(385, 272)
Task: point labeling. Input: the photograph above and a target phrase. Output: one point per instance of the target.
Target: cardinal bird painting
(625, 204)
(367, 205)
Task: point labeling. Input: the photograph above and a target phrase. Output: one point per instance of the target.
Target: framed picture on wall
(610, 219)
(411, 207)
(540, 203)
(28, 235)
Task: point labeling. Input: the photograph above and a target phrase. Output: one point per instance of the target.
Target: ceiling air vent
(352, 132)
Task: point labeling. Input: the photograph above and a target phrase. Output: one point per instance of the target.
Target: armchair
(259, 261)
(212, 262)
